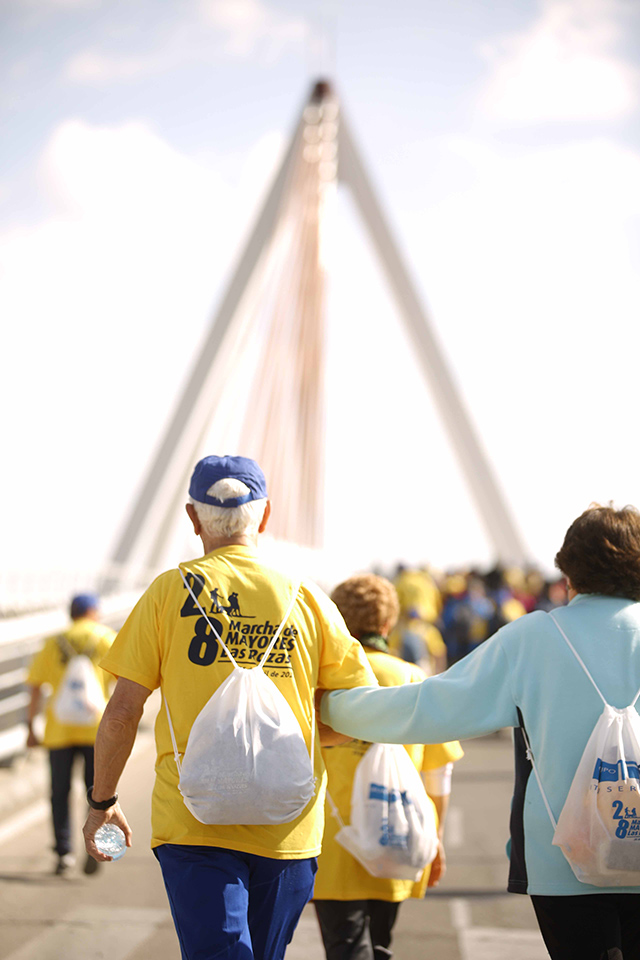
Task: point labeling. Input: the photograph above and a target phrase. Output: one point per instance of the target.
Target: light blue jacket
(527, 674)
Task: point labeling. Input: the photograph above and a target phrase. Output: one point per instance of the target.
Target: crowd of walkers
(446, 615)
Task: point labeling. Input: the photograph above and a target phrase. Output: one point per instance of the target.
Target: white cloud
(110, 171)
(70, 3)
(253, 27)
(59, 4)
(104, 304)
(541, 242)
(94, 68)
(565, 67)
(532, 278)
(240, 29)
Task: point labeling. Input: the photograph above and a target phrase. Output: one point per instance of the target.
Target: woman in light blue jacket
(527, 677)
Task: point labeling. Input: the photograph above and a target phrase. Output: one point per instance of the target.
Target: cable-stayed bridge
(268, 332)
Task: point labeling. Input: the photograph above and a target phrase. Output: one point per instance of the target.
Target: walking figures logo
(232, 607)
(231, 619)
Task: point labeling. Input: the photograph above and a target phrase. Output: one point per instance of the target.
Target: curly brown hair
(601, 552)
(369, 604)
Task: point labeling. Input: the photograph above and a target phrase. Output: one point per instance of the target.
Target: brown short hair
(601, 552)
(368, 603)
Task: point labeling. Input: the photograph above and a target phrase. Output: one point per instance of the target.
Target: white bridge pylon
(274, 304)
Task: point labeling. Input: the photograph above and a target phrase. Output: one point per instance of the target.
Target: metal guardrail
(20, 639)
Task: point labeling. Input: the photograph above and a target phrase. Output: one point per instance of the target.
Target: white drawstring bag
(393, 831)
(246, 760)
(80, 699)
(598, 829)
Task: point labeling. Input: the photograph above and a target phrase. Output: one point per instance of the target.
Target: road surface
(121, 913)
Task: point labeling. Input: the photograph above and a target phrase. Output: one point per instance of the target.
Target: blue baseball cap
(82, 604)
(211, 469)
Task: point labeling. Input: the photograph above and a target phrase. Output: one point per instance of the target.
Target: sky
(503, 139)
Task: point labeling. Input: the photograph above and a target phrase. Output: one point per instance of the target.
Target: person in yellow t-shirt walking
(66, 741)
(357, 911)
(418, 591)
(235, 890)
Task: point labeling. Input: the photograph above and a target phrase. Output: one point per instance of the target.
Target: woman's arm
(438, 786)
(472, 698)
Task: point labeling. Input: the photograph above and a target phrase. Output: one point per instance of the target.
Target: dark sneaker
(64, 864)
(91, 866)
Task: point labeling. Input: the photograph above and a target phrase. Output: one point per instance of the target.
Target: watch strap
(100, 804)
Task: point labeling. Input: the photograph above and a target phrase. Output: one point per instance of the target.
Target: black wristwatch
(100, 804)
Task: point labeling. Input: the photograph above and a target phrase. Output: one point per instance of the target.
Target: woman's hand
(32, 740)
(327, 735)
(438, 867)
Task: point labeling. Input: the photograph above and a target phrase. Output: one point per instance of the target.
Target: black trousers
(61, 763)
(356, 929)
(593, 926)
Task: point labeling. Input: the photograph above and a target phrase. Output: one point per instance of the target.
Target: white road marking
(498, 943)
(460, 913)
(453, 831)
(115, 931)
(22, 821)
(493, 943)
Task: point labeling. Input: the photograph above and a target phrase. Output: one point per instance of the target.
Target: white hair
(230, 521)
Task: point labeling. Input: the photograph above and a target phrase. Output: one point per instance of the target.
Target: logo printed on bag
(389, 837)
(616, 771)
(627, 828)
(378, 791)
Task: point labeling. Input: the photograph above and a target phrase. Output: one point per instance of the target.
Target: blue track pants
(227, 904)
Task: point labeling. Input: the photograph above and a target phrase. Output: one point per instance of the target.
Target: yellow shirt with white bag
(167, 643)
(340, 876)
(48, 667)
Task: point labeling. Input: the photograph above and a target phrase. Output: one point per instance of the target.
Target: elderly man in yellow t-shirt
(356, 910)
(236, 891)
(65, 741)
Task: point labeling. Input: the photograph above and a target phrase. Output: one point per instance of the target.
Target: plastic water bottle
(110, 841)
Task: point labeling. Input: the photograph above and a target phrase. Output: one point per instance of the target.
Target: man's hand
(327, 735)
(114, 741)
(98, 818)
(32, 740)
(32, 713)
(438, 867)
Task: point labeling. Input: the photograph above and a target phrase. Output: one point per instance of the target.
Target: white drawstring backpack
(80, 699)
(598, 829)
(393, 831)
(246, 760)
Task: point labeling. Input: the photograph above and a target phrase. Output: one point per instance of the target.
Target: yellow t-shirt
(340, 876)
(417, 590)
(48, 667)
(166, 642)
